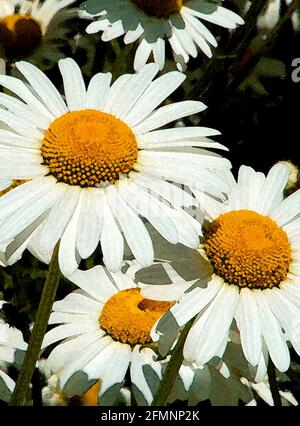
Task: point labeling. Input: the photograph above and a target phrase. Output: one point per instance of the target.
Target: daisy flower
(252, 242)
(11, 340)
(52, 396)
(96, 162)
(26, 26)
(154, 21)
(106, 321)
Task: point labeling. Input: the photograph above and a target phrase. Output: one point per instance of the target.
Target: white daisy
(107, 321)
(154, 21)
(252, 242)
(97, 162)
(25, 24)
(11, 340)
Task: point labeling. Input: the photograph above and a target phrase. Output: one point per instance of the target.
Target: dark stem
(266, 47)
(39, 329)
(214, 74)
(172, 369)
(273, 384)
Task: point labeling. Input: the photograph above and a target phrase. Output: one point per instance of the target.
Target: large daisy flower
(107, 321)
(252, 242)
(95, 162)
(11, 340)
(154, 21)
(25, 27)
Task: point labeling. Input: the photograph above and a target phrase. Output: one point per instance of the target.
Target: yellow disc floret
(19, 35)
(248, 250)
(89, 148)
(159, 8)
(128, 317)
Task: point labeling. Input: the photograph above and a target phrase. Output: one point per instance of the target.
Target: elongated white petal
(75, 91)
(157, 92)
(194, 301)
(112, 242)
(94, 282)
(249, 325)
(272, 334)
(133, 228)
(98, 91)
(43, 87)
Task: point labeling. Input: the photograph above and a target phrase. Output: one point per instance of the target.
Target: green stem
(39, 329)
(172, 369)
(273, 384)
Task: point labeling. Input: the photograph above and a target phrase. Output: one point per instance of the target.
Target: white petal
(155, 94)
(142, 54)
(98, 91)
(272, 334)
(63, 331)
(196, 300)
(118, 362)
(43, 87)
(216, 326)
(89, 224)
(74, 86)
(288, 209)
(169, 113)
(272, 190)
(87, 356)
(68, 257)
(248, 323)
(134, 89)
(112, 242)
(150, 208)
(95, 282)
(58, 219)
(115, 92)
(133, 228)
(140, 358)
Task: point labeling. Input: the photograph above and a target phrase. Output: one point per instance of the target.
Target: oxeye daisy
(252, 243)
(52, 396)
(106, 322)
(28, 25)
(154, 21)
(11, 340)
(94, 163)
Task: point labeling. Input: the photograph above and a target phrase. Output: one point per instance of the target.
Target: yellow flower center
(160, 8)
(89, 148)
(90, 398)
(128, 317)
(248, 250)
(19, 35)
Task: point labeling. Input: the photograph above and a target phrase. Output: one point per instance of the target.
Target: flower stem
(273, 384)
(39, 329)
(172, 369)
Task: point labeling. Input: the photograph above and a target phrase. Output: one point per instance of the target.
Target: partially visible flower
(11, 340)
(105, 328)
(52, 396)
(252, 242)
(31, 28)
(97, 162)
(154, 21)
